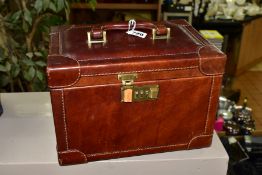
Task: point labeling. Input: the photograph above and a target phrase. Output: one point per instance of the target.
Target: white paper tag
(132, 31)
(136, 33)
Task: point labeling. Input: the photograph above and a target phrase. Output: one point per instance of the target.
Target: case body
(95, 118)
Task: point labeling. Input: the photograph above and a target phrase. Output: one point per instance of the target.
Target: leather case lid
(70, 57)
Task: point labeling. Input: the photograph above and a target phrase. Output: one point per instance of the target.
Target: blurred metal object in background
(237, 119)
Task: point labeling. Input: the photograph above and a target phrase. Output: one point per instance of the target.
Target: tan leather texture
(93, 124)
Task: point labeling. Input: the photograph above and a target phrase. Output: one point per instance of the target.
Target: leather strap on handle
(97, 31)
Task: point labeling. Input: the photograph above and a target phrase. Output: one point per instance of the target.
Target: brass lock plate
(132, 93)
(139, 93)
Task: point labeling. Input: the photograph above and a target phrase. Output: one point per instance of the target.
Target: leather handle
(97, 31)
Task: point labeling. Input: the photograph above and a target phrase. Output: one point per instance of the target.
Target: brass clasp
(132, 93)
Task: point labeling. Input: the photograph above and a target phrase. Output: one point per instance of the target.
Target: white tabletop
(28, 146)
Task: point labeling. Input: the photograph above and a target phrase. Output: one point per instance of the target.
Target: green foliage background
(24, 39)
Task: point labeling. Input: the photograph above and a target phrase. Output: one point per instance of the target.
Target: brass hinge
(127, 79)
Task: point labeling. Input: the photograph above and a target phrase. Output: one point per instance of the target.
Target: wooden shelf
(122, 6)
(250, 52)
(117, 6)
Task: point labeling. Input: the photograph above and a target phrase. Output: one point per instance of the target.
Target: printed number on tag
(132, 31)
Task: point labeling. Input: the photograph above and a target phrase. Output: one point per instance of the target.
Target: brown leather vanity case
(116, 95)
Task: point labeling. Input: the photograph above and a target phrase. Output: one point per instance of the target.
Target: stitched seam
(64, 119)
(77, 27)
(79, 71)
(138, 149)
(74, 151)
(141, 56)
(207, 115)
(156, 147)
(86, 26)
(194, 36)
(61, 46)
(200, 62)
(146, 148)
(141, 71)
(199, 37)
(202, 135)
(134, 150)
(198, 51)
(69, 28)
(209, 102)
(60, 43)
(78, 76)
(149, 148)
(189, 34)
(199, 56)
(73, 26)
